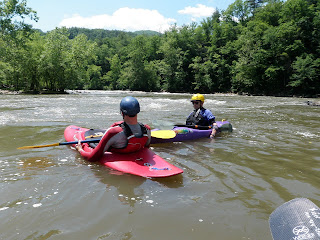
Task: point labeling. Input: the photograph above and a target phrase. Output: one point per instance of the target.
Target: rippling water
(229, 187)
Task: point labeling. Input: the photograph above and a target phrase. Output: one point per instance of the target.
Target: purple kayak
(187, 133)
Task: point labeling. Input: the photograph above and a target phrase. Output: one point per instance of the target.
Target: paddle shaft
(84, 141)
(194, 126)
(62, 143)
(161, 134)
(165, 134)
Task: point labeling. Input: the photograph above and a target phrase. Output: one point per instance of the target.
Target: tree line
(254, 46)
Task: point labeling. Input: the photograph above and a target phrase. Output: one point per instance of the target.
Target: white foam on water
(37, 205)
(214, 102)
(308, 134)
(153, 106)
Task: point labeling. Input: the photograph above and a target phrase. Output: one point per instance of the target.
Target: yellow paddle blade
(39, 146)
(164, 134)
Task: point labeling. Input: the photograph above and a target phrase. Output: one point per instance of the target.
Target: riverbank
(8, 92)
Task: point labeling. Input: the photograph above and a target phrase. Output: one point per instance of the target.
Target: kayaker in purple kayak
(201, 116)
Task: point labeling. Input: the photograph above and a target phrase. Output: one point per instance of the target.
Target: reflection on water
(35, 163)
(229, 187)
(128, 186)
(37, 235)
(125, 184)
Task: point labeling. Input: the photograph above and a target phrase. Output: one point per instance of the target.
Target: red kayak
(143, 163)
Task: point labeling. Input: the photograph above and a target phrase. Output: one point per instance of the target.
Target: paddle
(164, 134)
(296, 219)
(194, 126)
(224, 126)
(62, 143)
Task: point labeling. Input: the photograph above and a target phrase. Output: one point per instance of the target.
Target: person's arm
(149, 135)
(214, 131)
(212, 122)
(149, 138)
(106, 141)
(93, 156)
(90, 156)
(187, 119)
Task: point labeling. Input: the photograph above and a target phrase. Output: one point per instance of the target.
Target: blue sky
(128, 15)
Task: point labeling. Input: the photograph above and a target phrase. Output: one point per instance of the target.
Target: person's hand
(213, 133)
(79, 147)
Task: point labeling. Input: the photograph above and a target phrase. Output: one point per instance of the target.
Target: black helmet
(129, 106)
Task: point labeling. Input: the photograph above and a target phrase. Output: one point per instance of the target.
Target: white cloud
(128, 19)
(199, 11)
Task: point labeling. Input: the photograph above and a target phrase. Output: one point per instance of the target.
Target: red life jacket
(134, 143)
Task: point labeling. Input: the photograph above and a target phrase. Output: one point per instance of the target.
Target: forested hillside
(256, 47)
(99, 34)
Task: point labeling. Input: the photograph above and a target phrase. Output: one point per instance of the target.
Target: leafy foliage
(12, 16)
(258, 47)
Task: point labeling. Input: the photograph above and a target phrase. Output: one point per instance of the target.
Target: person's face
(196, 104)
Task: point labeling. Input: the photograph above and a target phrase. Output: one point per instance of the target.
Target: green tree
(94, 80)
(179, 48)
(55, 61)
(305, 77)
(271, 13)
(138, 73)
(222, 52)
(64, 62)
(13, 33)
(255, 46)
(250, 66)
(113, 76)
(238, 11)
(79, 60)
(12, 17)
(254, 5)
(202, 75)
(171, 66)
(6, 70)
(30, 62)
(207, 27)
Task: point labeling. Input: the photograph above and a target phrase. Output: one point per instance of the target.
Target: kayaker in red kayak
(201, 116)
(123, 137)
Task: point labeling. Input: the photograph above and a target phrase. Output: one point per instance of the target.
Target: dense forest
(254, 46)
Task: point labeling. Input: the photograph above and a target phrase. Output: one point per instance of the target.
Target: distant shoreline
(10, 92)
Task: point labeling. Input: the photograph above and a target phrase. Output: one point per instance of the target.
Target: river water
(229, 187)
